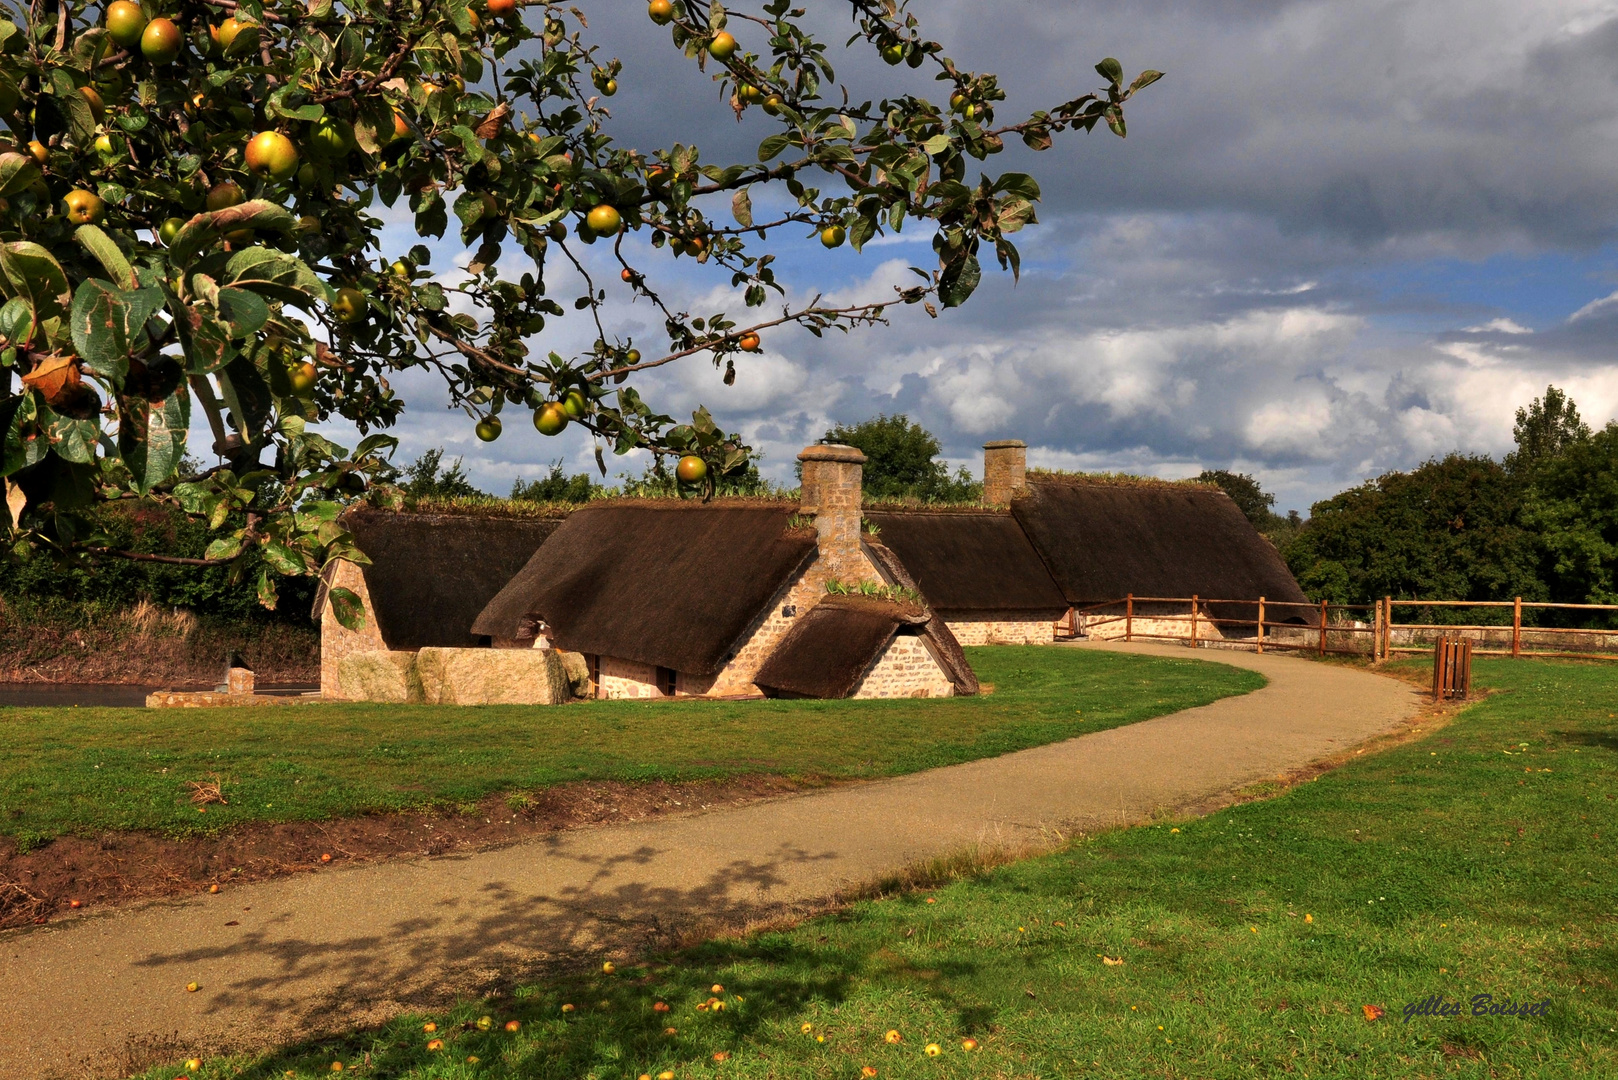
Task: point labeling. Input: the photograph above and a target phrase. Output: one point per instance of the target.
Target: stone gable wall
(337, 640)
(906, 669)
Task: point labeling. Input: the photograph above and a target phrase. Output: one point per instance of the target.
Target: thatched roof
(832, 645)
(431, 574)
(971, 562)
(1102, 541)
(670, 583)
(945, 648)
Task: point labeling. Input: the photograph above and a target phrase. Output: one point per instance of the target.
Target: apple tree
(189, 222)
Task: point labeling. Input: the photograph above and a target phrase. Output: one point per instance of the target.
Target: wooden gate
(1452, 668)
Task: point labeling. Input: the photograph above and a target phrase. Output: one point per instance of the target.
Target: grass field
(85, 770)
(1478, 859)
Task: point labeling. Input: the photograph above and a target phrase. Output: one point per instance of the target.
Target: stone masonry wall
(337, 640)
(618, 678)
(1148, 626)
(906, 669)
(1006, 629)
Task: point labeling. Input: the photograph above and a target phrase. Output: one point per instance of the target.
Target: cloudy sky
(1341, 238)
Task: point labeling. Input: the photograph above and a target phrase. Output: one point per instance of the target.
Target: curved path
(282, 960)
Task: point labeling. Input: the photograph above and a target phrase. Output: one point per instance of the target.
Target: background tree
(422, 478)
(1452, 529)
(555, 487)
(1574, 511)
(190, 220)
(902, 461)
(1546, 428)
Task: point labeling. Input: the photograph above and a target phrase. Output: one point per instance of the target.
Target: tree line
(1541, 524)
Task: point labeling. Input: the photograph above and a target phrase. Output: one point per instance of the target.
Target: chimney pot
(1005, 470)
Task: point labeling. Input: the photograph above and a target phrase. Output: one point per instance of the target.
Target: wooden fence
(1347, 629)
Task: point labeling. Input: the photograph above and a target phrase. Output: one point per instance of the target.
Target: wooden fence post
(1193, 620)
(1387, 627)
(1323, 628)
(1516, 628)
(1376, 632)
(1261, 624)
(1129, 617)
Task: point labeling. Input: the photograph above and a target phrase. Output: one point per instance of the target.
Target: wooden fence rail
(1325, 628)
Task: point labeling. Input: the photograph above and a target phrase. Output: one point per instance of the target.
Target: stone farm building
(675, 598)
(645, 598)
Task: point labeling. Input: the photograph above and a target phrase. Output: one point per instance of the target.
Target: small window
(592, 665)
(665, 681)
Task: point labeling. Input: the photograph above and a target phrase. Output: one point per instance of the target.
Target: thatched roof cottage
(668, 598)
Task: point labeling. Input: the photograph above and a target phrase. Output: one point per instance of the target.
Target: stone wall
(618, 679)
(1152, 624)
(906, 669)
(1003, 628)
(337, 640)
(457, 677)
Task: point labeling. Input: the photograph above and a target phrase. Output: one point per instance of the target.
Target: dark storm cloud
(1207, 291)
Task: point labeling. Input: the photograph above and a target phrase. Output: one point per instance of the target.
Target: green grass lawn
(1478, 859)
(81, 770)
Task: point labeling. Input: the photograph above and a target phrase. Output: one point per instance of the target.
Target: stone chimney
(831, 492)
(1005, 470)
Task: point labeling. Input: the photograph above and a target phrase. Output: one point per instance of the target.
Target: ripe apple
(103, 145)
(575, 404)
(271, 154)
(161, 41)
(224, 196)
(308, 224)
(170, 229)
(893, 1037)
(226, 32)
(550, 419)
(83, 207)
(349, 307)
(567, 1008)
(604, 220)
(513, 1025)
(722, 46)
(969, 1045)
(98, 108)
(475, 19)
(627, 274)
(488, 429)
(485, 1023)
(893, 53)
(193, 1064)
(632, 356)
(125, 22)
(331, 138)
(932, 1050)
(691, 470)
(772, 104)
(40, 154)
(609, 87)
(502, 9)
(429, 1026)
(401, 129)
(661, 12)
(749, 93)
(833, 236)
(557, 231)
(748, 343)
(608, 968)
(301, 377)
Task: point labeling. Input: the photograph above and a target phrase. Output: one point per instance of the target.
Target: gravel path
(292, 957)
